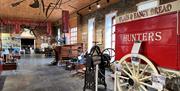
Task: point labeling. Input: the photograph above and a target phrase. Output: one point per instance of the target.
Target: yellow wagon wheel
(134, 73)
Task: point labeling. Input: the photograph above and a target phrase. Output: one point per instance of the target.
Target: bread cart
(156, 65)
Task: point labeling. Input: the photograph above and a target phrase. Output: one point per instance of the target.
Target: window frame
(73, 35)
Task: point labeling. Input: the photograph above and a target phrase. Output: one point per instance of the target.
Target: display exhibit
(89, 45)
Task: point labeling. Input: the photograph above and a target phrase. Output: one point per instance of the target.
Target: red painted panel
(49, 29)
(65, 21)
(159, 36)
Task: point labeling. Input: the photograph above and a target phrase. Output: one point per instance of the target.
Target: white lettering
(148, 36)
(126, 37)
(139, 36)
(151, 36)
(129, 38)
(133, 37)
(145, 13)
(158, 36)
(144, 37)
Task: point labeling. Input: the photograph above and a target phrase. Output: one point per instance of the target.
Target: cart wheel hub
(133, 81)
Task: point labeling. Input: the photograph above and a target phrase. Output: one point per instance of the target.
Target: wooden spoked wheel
(134, 74)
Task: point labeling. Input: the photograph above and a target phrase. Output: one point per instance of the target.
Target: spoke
(148, 85)
(145, 78)
(118, 85)
(143, 70)
(141, 86)
(137, 74)
(123, 77)
(131, 89)
(118, 73)
(128, 68)
(133, 67)
(115, 81)
(123, 84)
(119, 88)
(126, 73)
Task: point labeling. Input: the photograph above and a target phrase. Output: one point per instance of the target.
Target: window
(113, 33)
(109, 30)
(147, 4)
(73, 35)
(91, 25)
(59, 36)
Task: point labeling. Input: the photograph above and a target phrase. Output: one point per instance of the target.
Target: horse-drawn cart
(153, 63)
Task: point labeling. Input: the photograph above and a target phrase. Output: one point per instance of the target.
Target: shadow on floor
(2, 80)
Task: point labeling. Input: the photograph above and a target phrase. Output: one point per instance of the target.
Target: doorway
(27, 45)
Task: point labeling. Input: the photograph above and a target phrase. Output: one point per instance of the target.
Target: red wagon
(158, 30)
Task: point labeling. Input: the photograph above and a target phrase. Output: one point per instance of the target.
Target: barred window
(73, 35)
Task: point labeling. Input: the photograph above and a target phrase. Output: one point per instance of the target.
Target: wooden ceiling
(24, 12)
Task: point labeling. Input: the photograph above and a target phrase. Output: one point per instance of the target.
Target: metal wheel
(134, 74)
(109, 51)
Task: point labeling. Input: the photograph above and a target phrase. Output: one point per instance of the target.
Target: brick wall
(123, 7)
(99, 15)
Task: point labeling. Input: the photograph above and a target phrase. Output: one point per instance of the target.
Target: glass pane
(91, 23)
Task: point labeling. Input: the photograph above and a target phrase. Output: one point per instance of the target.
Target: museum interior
(89, 45)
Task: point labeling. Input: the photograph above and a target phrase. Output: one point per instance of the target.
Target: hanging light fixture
(89, 8)
(35, 4)
(98, 5)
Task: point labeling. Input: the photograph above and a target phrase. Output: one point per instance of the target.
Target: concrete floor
(34, 74)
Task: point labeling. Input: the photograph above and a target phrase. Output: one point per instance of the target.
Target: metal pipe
(53, 9)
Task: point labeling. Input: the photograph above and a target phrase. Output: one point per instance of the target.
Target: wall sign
(165, 8)
(65, 21)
